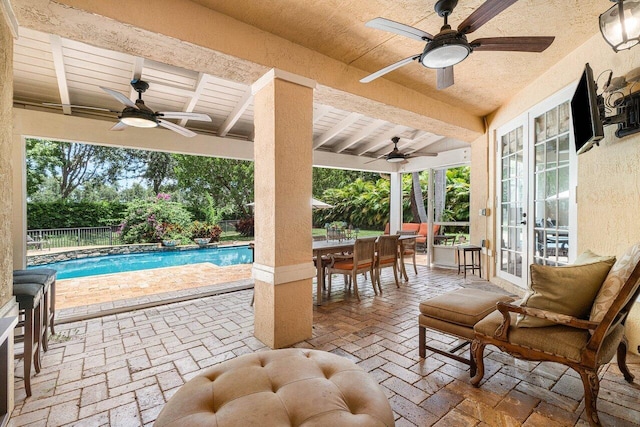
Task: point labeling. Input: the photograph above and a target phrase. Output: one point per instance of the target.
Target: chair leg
(622, 360)
(591, 385)
(329, 275)
(37, 335)
(28, 349)
(395, 276)
(422, 340)
(477, 351)
(45, 321)
(415, 269)
(354, 279)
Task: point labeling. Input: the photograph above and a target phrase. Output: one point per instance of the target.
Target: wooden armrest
(562, 319)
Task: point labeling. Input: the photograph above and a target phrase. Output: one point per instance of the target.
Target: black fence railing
(69, 237)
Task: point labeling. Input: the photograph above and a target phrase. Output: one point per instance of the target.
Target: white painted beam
(384, 139)
(336, 129)
(61, 75)
(319, 112)
(451, 158)
(136, 73)
(203, 79)
(432, 139)
(237, 112)
(364, 132)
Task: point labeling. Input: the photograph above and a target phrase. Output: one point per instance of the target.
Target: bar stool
(29, 297)
(462, 262)
(47, 278)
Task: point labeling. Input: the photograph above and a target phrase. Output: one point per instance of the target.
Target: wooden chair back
(364, 250)
(387, 248)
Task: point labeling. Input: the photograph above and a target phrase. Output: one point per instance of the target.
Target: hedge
(63, 214)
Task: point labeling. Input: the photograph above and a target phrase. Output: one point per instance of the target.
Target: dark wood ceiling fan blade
(486, 12)
(513, 44)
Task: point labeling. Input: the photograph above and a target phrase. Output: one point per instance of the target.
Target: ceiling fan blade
(120, 97)
(398, 28)
(183, 115)
(487, 11)
(389, 68)
(49, 104)
(421, 154)
(118, 126)
(512, 44)
(176, 128)
(444, 77)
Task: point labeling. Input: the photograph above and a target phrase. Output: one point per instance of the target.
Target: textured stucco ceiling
(484, 81)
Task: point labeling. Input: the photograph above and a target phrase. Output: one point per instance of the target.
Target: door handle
(523, 222)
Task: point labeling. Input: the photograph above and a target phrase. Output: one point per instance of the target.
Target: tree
(159, 168)
(325, 178)
(228, 182)
(73, 165)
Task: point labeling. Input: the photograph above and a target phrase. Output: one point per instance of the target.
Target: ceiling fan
(397, 156)
(450, 47)
(137, 114)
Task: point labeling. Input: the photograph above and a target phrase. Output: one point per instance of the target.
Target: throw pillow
(616, 278)
(566, 290)
(587, 257)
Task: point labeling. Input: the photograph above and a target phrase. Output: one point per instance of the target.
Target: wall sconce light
(620, 25)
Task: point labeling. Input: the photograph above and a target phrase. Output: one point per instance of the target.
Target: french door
(536, 183)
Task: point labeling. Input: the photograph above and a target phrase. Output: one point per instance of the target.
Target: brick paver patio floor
(120, 369)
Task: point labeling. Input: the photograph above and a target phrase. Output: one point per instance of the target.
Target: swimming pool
(108, 264)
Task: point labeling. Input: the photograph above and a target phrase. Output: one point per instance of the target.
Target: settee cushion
(564, 341)
(568, 290)
(614, 281)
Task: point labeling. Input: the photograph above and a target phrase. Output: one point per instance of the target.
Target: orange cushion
(386, 261)
(408, 252)
(422, 230)
(348, 265)
(409, 226)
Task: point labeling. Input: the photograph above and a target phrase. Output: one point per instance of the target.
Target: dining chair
(407, 248)
(387, 256)
(360, 261)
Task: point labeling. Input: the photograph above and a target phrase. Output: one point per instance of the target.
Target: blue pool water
(143, 261)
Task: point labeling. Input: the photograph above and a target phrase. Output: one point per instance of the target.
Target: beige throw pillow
(566, 290)
(616, 278)
(587, 257)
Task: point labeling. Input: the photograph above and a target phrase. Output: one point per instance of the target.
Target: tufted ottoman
(289, 387)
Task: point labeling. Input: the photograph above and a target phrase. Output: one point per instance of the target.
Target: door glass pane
(551, 181)
(513, 199)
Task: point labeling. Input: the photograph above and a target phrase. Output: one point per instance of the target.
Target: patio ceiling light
(138, 118)
(620, 25)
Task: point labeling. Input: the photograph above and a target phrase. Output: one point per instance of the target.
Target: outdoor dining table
(326, 247)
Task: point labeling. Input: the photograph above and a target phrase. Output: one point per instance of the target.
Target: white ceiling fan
(137, 114)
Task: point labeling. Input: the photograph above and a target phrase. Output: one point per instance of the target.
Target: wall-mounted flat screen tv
(585, 113)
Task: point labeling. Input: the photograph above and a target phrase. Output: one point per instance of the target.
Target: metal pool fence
(88, 236)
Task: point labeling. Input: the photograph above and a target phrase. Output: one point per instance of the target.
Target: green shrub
(245, 227)
(205, 230)
(154, 220)
(64, 214)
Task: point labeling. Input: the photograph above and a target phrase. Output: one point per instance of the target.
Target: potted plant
(203, 232)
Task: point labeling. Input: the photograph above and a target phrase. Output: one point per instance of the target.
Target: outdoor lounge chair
(36, 244)
(583, 345)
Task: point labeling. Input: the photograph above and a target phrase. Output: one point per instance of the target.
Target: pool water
(146, 260)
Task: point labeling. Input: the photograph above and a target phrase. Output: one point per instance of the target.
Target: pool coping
(80, 313)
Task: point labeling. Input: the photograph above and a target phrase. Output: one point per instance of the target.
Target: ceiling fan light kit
(445, 50)
(620, 24)
(137, 118)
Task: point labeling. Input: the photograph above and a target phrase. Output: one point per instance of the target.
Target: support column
(430, 195)
(283, 269)
(395, 203)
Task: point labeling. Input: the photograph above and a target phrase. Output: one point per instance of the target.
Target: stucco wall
(6, 103)
(608, 193)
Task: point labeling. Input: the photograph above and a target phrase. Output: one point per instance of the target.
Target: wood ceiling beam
(61, 75)
(237, 112)
(364, 133)
(336, 129)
